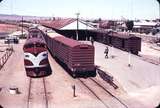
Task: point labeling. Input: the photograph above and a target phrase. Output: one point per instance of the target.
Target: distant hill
(4, 17)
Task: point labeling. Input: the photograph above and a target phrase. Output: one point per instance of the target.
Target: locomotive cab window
(28, 46)
(34, 35)
(40, 45)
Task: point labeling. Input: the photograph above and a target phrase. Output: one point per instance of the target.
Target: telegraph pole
(158, 18)
(159, 8)
(77, 14)
(22, 26)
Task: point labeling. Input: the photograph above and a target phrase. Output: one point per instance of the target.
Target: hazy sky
(108, 9)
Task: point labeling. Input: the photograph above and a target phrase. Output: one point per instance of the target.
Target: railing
(5, 57)
(106, 77)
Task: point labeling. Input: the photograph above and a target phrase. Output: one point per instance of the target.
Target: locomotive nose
(37, 72)
(35, 52)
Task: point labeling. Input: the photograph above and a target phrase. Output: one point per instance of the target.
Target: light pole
(159, 7)
(77, 14)
(129, 59)
(159, 17)
(22, 26)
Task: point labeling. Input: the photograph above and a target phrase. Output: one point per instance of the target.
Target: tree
(129, 25)
(158, 106)
(1, 0)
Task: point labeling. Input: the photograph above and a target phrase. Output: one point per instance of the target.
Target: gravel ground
(139, 85)
(13, 75)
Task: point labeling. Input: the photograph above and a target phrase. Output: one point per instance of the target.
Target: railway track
(99, 91)
(37, 94)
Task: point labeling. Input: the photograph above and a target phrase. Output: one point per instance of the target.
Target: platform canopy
(81, 26)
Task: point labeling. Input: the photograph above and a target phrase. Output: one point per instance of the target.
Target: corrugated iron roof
(57, 24)
(67, 41)
(82, 25)
(144, 23)
(53, 34)
(7, 28)
(122, 35)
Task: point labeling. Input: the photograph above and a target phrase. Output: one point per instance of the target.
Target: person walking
(106, 52)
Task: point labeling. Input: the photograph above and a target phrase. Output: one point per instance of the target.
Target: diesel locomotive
(36, 55)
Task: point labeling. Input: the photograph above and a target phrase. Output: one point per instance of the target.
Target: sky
(105, 9)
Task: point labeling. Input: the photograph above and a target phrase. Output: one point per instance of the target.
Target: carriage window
(40, 45)
(34, 34)
(29, 46)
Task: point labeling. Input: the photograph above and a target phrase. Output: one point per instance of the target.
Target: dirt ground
(139, 85)
(142, 78)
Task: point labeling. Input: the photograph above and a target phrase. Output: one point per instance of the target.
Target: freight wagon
(123, 41)
(77, 58)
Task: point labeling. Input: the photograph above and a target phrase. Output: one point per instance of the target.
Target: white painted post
(129, 59)
(112, 52)
(77, 14)
(74, 90)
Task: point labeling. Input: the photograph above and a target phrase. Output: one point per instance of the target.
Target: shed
(68, 28)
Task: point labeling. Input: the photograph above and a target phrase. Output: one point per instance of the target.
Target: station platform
(140, 80)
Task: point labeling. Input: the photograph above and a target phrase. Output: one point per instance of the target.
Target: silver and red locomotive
(36, 55)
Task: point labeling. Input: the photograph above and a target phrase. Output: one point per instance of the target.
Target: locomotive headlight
(76, 64)
(45, 54)
(73, 69)
(26, 55)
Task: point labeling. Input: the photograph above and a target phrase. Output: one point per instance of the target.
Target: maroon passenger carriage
(76, 57)
(35, 55)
